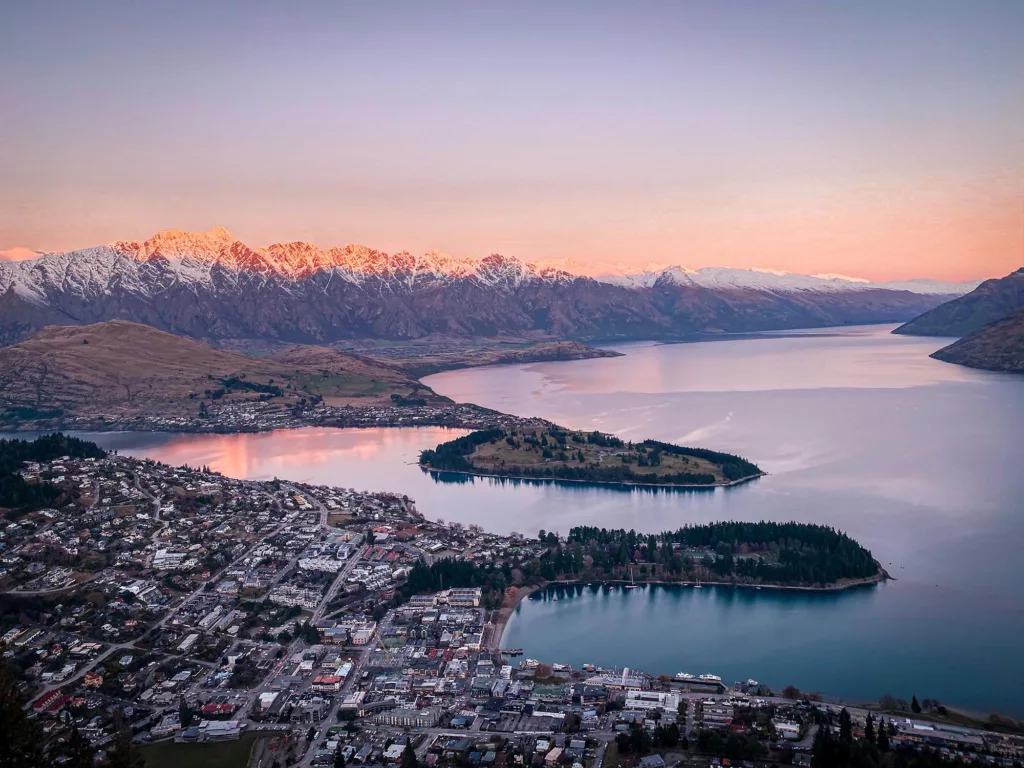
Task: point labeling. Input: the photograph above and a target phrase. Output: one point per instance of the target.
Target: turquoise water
(921, 461)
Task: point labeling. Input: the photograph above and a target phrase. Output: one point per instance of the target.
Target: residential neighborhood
(197, 608)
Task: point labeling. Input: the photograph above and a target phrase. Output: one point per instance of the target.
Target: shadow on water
(724, 595)
(460, 478)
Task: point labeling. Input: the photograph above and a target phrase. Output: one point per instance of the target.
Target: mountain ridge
(998, 346)
(991, 301)
(298, 259)
(211, 286)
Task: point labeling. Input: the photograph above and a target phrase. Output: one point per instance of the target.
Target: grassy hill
(445, 354)
(996, 347)
(119, 368)
(549, 452)
(342, 375)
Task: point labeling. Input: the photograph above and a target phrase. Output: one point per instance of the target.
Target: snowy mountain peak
(176, 243)
(201, 257)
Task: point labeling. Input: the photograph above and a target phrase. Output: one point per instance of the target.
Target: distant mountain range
(992, 300)
(213, 287)
(991, 321)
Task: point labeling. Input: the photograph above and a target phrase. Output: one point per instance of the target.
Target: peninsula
(546, 451)
(795, 555)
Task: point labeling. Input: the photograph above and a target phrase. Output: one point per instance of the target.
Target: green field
(221, 754)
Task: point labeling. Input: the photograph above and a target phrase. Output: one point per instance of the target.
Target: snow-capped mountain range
(212, 286)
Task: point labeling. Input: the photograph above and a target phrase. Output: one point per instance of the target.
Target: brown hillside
(120, 368)
(356, 372)
(996, 347)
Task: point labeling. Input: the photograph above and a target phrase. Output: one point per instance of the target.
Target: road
(332, 714)
(298, 643)
(163, 524)
(336, 585)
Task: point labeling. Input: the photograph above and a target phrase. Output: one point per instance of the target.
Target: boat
(631, 585)
(697, 585)
(684, 676)
(710, 678)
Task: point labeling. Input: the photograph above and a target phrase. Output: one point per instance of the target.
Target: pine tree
(845, 727)
(869, 728)
(915, 706)
(409, 757)
(123, 753)
(185, 714)
(339, 757)
(883, 739)
(78, 751)
(22, 739)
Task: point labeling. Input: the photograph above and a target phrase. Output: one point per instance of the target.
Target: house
(394, 752)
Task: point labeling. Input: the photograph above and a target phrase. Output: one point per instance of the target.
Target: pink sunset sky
(878, 140)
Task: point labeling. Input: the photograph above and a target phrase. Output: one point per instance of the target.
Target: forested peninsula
(550, 452)
(784, 555)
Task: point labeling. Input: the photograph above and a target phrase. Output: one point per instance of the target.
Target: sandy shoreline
(505, 613)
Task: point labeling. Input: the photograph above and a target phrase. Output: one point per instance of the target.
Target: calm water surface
(921, 461)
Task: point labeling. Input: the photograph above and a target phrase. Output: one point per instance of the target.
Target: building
(287, 595)
(620, 681)
(716, 715)
(166, 560)
(465, 598)
(410, 718)
(647, 700)
(326, 684)
(216, 730)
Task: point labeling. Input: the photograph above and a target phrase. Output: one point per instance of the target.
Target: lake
(921, 461)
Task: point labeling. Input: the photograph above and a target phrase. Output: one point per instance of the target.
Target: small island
(545, 451)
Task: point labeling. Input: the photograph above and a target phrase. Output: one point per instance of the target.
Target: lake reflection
(917, 459)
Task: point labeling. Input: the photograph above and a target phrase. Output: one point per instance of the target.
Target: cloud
(18, 254)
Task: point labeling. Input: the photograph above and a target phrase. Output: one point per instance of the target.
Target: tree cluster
(786, 553)
(15, 491)
(446, 574)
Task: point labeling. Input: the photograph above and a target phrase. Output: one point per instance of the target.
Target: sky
(880, 139)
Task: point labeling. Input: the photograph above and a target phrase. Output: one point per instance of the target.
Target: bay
(917, 459)
(921, 461)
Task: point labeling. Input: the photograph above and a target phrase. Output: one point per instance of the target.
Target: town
(313, 625)
(255, 415)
